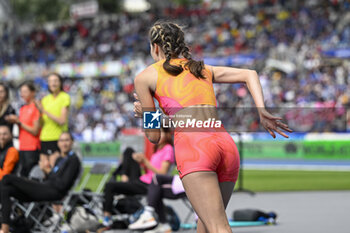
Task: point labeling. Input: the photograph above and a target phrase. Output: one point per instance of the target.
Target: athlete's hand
(272, 123)
(137, 106)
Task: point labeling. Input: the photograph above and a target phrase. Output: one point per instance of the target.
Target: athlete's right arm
(143, 86)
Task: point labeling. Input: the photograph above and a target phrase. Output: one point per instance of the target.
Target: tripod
(240, 177)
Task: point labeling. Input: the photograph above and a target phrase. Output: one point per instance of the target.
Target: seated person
(59, 180)
(9, 156)
(129, 169)
(162, 186)
(159, 164)
(38, 171)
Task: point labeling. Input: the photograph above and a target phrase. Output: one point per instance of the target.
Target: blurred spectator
(131, 182)
(8, 154)
(59, 180)
(55, 109)
(29, 124)
(5, 107)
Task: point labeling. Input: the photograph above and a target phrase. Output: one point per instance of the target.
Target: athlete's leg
(226, 192)
(201, 227)
(227, 171)
(204, 192)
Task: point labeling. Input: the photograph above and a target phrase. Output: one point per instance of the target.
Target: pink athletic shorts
(207, 151)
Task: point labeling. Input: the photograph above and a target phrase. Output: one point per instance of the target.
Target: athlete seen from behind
(207, 161)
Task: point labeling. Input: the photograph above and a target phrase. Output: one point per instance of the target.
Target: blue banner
(267, 136)
(339, 53)
(234, 60)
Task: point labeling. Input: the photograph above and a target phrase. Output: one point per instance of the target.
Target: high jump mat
(232, 224)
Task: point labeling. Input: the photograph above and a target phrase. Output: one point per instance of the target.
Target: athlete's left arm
(251, 79)
(223, 74)
(143, 84)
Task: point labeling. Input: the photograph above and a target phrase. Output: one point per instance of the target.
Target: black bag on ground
(128, 205)
(21, 225)
(172, 218)
(120, 224)
(81, 198)
(252, 215)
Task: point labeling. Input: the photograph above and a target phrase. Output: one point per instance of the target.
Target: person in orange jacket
(9, 156)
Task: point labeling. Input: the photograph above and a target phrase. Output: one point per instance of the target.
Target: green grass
(280, 180)
(94, 180)
(286, 180)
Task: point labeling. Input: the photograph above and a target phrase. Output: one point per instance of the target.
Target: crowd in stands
(219, 31)
(288, 31)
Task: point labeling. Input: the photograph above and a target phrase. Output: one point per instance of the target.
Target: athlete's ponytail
(195, 67)
(170, 38)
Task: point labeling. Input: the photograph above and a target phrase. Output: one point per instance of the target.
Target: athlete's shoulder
(159, 63)
(208, 71)
(148, 73)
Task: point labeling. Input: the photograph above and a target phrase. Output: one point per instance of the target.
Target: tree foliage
(110, 6)
(187, 2)
(40, 10)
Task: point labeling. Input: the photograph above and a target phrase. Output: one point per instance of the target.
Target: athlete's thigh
(195, 151)
(228, 167)
(203, 191)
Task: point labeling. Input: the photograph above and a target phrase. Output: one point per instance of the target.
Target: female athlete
(207, 160)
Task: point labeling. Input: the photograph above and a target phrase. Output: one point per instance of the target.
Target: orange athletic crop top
(176, 92)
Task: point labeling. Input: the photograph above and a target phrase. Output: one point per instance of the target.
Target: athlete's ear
(156, 49)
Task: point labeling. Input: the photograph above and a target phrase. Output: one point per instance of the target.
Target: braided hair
(170, 37)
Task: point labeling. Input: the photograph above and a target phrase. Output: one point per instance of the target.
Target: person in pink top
(29, 128)
(160, 163)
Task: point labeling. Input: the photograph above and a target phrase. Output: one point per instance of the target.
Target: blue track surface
(232, 224)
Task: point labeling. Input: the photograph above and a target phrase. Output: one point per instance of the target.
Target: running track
(298, 212)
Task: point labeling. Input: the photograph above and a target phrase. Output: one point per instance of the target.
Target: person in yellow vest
(55, 110)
